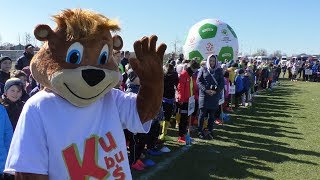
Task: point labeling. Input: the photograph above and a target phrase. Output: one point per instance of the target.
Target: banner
(308, 72)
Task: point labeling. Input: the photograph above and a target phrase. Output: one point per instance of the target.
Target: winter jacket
(184, 86)
(239, 84)
(315, 68)
(6, 133)
(13, 110)
(171, 81)
(23, 61)
(205, 82)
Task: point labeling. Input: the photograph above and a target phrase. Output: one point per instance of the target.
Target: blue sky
(290, 26)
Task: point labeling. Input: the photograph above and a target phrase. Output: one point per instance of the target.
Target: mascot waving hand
(74, 128)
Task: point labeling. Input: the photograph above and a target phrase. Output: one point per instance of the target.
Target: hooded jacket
(13, 110)
(205, 81)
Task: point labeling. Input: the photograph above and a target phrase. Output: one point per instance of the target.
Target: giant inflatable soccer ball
(211, 36)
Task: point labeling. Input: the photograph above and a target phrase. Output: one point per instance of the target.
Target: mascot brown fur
(76, 63)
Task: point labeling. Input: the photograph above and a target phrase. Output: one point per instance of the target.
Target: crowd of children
(16, 87)
(208, 81)
(215, 88)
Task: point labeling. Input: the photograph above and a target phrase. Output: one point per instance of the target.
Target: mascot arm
(148, 67)
(29, 176)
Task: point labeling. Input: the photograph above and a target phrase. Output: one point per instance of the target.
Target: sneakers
(182, 139)
(218, 122)
(200, 135)
(149, 163)
(137, 167)
(165, 149)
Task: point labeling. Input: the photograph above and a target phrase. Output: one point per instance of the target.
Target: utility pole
(175, 44)
(19, 41)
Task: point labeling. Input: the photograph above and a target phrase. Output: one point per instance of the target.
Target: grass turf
(276, 138)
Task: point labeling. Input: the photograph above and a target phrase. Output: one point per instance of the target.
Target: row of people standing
(308, 70)
(15, 87)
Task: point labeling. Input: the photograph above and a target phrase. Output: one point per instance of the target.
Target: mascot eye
(104, 55)
(74, 53)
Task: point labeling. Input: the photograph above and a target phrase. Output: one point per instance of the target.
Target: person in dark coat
(210, 83)
(186, 89)
(25, 59)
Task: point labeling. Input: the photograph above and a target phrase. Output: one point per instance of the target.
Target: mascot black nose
(93, 76)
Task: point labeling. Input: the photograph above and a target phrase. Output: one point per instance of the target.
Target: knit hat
(12, 81)
(3, 58)
(28, 45)
(131, 75)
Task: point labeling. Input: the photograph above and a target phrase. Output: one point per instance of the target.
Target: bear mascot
(73, 129)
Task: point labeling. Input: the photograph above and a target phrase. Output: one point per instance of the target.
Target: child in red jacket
(186, 89)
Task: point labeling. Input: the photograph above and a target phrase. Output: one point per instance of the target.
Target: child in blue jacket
(6, 133)
(239, 87)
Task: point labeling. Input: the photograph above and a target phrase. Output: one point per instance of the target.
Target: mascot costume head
(76, 63)
(76, 60)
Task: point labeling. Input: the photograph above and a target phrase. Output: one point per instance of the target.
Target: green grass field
(277, 138)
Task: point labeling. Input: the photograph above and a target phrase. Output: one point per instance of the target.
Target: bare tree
(28, 38)
(176, 45)
(277, 53)
(260, 52)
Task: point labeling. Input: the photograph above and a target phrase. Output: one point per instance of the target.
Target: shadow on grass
(248, 145)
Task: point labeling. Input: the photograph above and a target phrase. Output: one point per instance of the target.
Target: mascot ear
(43, 32)
(117, 42)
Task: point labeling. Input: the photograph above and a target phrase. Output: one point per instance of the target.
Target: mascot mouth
(83, 97)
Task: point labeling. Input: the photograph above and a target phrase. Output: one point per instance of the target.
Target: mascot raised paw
(74, 128)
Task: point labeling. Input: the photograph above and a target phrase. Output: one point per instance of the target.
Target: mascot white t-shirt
(55, 138)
